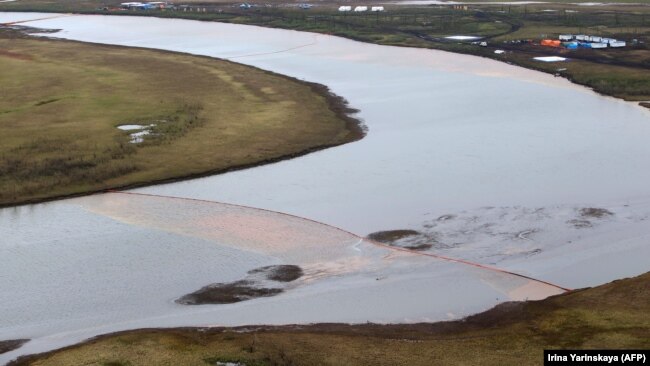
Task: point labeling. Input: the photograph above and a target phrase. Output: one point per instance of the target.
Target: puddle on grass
(463, 38)
(134, 127)
(137, 137)
(549, 58)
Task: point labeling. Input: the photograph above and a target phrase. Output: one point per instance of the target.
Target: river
(493, 161)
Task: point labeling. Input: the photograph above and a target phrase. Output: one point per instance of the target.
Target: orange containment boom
(550, 43)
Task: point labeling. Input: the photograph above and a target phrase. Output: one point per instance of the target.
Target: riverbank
(515, 30)
(613, 315)
(117, 118)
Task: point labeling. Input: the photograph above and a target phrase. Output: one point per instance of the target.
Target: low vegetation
(609, 316)
(62, 102)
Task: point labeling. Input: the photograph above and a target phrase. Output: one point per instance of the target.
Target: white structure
(581, 37)
(377, 8)
(566, 37)
(549, 58)
(361, 8)
(599, 45)
(596, 39)
(608, 40)
(345, 8)
(131, 4)
(617, 44)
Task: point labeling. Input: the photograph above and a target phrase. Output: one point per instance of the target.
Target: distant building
(131, 5)
(585, 41)
(570, 45)
(158, 4)
(377, 8)
(361, 8)
(345, 8)
(143, 6)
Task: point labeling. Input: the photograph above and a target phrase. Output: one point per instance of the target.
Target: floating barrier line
(35, 20)
(275, 52)
(379, 244)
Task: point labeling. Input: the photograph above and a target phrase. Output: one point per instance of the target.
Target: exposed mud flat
(594, 212)
(523, 238)
(408, 239)
(227, 293)
(280, 273)
(255, 285)
(390, 236)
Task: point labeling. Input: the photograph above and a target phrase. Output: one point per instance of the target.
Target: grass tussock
(609, 316)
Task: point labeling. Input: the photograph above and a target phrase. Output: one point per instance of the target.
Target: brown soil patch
(595, 212)
(392, 235)
(280, 273)
(419, 246)
(14, 55)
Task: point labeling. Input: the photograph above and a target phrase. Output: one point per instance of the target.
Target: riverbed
(495, 162)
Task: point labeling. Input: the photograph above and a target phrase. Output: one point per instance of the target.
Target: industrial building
(571, 41)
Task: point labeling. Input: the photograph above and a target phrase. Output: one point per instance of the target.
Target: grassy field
(621, 73)
(62, 102)
(613, 316)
